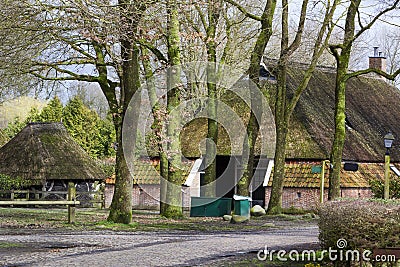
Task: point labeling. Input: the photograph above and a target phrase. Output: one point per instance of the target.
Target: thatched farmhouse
(47, 156)
(372, 109)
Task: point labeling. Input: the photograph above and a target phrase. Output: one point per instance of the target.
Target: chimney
(378, 61)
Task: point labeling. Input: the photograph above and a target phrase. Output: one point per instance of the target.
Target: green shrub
(377, 187)
(108, 168)
(363, 224)
(8, 183)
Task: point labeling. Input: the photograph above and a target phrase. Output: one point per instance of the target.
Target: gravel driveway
(162, 248)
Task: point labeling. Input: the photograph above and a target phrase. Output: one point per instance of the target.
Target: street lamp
(388, 144)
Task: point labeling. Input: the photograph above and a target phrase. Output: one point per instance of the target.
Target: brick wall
(142, 197)
(146, 196)
(308, 198)
(108, 194)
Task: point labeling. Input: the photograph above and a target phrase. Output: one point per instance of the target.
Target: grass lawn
(96, 219)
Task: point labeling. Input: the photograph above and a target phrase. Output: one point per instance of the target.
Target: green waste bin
(242, 205)
(210, 206)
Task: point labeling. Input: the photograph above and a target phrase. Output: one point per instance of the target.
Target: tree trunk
(340, 129)
(163, 181)
(121, 205)
(281, 124)
(342, 60)
(212, 125)
(253, 126)
(173, 205)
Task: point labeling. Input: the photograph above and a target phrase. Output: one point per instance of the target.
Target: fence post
(71, 197)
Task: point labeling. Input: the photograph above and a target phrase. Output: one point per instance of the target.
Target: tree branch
(297, 40)
(75, 77)
(153, 49)
(244, 11)
(202, 18)
(319, 48)
(371, 70)
(368, 26)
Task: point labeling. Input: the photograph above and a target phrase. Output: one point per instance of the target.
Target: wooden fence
(37, 195)
(70, 200)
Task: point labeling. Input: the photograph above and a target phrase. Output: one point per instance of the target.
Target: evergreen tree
(93, 134)
(107, 137)
(81, 123)
(33, 116)
(53, 112)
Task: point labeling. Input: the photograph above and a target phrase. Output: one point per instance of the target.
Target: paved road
(167, 248)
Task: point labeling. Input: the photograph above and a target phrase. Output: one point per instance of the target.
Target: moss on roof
(372, 109)
(300, 174)
(230, 135)
(45, 151)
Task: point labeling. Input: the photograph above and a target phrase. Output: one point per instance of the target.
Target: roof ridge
(301, 64)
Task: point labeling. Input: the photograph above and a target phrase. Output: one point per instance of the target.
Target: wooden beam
(38, 202)
(71, 197)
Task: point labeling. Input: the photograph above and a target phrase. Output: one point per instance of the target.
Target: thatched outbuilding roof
(45, 151)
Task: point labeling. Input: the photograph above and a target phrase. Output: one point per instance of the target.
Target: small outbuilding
(47, 156)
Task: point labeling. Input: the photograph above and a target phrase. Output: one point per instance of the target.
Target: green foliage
(53, 112)
(108, 168)
(107, 136)
(89, 131)
(33, 115)
(92, 133)
(294, 211)
(14, 127)
(363, 224)
(81, 123)
(8, 183)
(377, 187)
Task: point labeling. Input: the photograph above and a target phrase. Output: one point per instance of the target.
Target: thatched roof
(147, 171)
(233, 115)
(372, 109)
(45, 151)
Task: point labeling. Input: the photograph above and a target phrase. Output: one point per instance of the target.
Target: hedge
(364, 224)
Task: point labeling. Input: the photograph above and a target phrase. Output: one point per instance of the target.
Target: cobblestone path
(165, 248)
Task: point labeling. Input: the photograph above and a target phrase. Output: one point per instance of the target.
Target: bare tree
(253, 126)
(342, 52)
(285, 104)
(389, 43)
(92, 41)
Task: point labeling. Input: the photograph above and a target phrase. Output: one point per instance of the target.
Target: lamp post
(388, 144)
